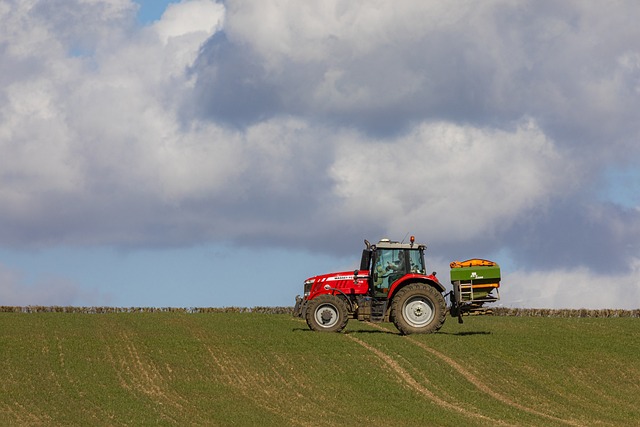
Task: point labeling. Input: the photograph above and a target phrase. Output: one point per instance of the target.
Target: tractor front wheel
(418, 309)
(327, 313)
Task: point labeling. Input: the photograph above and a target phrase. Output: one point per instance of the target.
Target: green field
(249, 369)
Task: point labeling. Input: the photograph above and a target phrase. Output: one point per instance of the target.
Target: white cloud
(75, 122)
(183, 28)
(452, 182)
(195, 16)
(572, 288)
(316, 31)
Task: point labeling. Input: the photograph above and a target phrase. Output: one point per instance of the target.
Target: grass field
(270, 370)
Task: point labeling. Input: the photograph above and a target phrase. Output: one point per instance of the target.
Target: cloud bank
(480, 128)
(17, 290)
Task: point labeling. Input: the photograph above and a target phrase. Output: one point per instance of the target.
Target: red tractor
(392, 284)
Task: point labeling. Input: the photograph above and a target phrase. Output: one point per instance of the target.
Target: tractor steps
(378, 310)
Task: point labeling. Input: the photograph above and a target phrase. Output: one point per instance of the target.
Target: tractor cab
(389, 262)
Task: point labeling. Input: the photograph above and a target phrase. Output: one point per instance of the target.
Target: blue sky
(151, 10)
(198, 153)
(212, 275)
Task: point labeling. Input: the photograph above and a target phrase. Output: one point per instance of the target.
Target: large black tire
(327, 313)
(418, 309)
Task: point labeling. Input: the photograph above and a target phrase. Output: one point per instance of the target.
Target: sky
(207, 154)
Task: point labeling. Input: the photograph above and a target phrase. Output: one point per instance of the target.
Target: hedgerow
(549, 312)
(105, 310)
(497, 311)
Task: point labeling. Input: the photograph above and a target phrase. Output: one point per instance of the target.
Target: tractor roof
(388, 244)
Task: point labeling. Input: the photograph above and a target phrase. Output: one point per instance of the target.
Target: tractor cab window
(389, 266)
(416, 262)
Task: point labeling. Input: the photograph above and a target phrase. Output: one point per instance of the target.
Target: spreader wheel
(418, 309)
(327, 313)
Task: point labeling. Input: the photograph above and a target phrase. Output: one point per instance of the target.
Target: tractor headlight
(307, 287)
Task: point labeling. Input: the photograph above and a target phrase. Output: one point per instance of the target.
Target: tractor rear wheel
(327, 313)
(418, 309)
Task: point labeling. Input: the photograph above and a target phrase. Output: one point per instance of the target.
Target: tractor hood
(329, 277)
(343, 281)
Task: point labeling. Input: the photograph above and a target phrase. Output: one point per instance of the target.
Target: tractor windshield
(390, 265)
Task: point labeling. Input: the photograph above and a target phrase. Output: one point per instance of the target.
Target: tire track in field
(22, 416)
(481, 386)
(96, 412)
(583, 380)
(277, 387)
(258, 387)
(476, 382)
(276, 384)
(144, 377)
(416, 386)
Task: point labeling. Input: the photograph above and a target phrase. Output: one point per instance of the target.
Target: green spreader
(475, 282)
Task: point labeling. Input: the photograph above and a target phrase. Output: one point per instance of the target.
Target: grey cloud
(602, 237)
(231, 86)
(495, 64)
